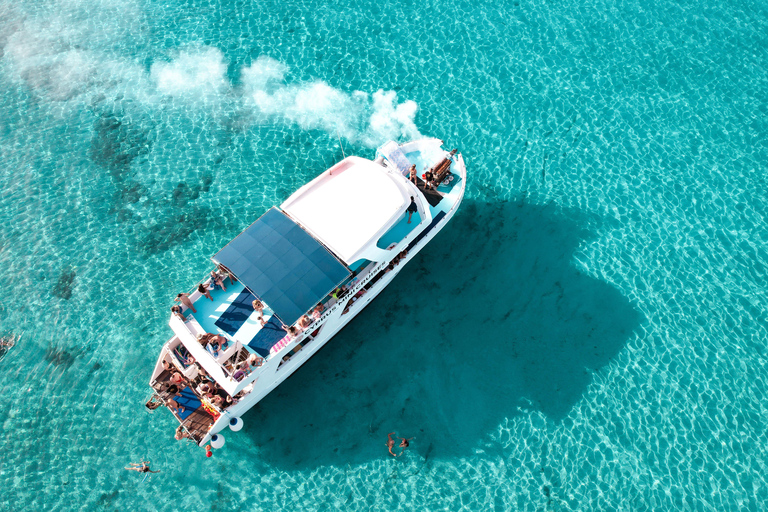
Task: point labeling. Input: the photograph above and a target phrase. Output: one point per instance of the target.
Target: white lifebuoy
(217, 441)
(235, 424)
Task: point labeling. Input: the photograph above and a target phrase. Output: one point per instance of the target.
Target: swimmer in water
(404, 444)
(141, 467)
(391, 444)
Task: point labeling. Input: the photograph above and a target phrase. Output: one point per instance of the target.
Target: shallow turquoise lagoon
(589, 332)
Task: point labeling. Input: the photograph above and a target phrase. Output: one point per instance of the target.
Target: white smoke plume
(357, 116)
(62, 57)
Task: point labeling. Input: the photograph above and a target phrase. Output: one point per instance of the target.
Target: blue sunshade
(283, 265)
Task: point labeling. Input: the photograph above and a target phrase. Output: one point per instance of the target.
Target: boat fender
(217, 441)
(235, 424)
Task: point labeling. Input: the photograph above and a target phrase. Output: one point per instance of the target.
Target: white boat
(314, 264)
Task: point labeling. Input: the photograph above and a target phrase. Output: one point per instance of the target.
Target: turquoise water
(589, 332)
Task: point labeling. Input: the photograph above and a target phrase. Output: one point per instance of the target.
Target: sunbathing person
(176, 311)
(175, 406)
(258, 306)
(217, 280)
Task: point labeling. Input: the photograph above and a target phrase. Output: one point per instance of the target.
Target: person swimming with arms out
(391, 444)
(141, 467)
(404, 444)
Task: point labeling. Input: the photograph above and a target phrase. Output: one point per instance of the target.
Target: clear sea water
(589, 333)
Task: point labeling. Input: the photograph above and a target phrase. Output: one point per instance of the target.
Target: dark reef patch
(116, 143)
(171, 230)
(59, 356)
(65, 283)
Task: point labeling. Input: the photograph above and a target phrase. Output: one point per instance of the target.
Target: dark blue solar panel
(283, 265)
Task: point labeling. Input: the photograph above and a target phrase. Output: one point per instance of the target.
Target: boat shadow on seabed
(491, 316)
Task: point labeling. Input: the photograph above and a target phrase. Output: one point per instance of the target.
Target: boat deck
(241, 328)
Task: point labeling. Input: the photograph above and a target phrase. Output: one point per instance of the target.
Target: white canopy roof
(350, 206)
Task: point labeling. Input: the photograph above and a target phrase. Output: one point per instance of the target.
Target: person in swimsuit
(184, 299)
(176, 310)
(218, 342)
(413, 175)
(217, 280)
(253, 361)
(404, 443)
(202, 289)
(224, 271)
(181, 433)
(412, 208)
(304, 322)
(141, 467)
(391, 443)
(175, 406)
(258, 307)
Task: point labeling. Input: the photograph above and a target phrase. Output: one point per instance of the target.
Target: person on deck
(304, 322)
(176, 311)
(217, 280)
(412, 176)
(184, 299)
(429, 180)
(176, 406)
(258, 307)
(224, 271)
(202, 289)
(412, 208)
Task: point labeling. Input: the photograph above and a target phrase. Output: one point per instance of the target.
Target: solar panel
(283, 265)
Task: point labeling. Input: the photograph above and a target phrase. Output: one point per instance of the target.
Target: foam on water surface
(587, 334)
